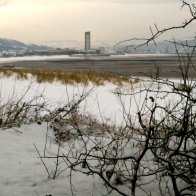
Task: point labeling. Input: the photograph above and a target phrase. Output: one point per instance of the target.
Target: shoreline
(168, 66)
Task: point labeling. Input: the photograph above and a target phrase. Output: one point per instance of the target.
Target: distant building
(87, 41)
(102, 50)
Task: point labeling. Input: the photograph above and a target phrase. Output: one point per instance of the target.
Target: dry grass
(69, 77)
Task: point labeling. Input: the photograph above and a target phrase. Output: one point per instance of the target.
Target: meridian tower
(87, 41)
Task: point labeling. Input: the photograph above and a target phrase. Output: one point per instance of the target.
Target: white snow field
(22, 172)
(103, 102)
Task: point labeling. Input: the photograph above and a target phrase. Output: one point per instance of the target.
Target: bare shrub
(153, 153)
(18, 111)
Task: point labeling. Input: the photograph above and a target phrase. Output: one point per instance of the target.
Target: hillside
(163, 47)
(9, 44)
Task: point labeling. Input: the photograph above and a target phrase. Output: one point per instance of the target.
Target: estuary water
(78, 56)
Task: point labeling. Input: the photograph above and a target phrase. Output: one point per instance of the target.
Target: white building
(102, 50)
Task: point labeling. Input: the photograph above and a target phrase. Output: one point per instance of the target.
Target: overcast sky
(110, 21)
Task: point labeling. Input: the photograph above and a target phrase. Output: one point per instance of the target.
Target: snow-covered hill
(163, 47)
(9, 44)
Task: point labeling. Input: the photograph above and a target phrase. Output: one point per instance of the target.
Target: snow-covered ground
(100, 102)
(103, 102)
(22, 172)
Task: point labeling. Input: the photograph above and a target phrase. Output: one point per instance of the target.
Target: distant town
(13, 48)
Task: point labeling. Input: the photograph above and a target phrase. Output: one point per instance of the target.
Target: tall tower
(87, 40)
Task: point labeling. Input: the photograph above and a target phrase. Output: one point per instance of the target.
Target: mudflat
(166, 66)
